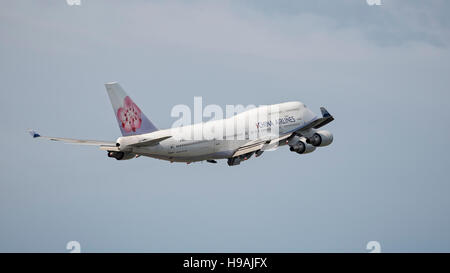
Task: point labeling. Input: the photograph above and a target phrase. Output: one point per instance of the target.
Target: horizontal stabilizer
(148, 142)
(35, 134)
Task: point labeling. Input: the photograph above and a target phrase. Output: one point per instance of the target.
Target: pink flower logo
(129, 115)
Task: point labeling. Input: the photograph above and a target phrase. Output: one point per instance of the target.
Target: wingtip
(33, 133)
(324, 112)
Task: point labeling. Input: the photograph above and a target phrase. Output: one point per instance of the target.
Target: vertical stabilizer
(130, 118)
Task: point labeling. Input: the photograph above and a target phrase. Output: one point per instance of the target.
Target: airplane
(290, 123)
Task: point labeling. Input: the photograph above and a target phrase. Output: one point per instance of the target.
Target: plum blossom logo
(129, 115)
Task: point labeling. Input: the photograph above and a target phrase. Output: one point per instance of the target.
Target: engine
(233, 161)
(321, 138)
(121, 155)
(298, 144)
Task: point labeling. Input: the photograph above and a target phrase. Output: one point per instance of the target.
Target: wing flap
(248, 149)
(274, 142)
(262, 145)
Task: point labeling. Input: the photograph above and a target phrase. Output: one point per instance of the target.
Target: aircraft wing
(101, 144)
(262, 145)
(251, 146)
(325, 119)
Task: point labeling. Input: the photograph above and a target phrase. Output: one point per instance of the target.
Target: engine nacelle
(299, 145)
(121, 155)
(292, 141)
(233, 161)
(302, 147)
(321, 138)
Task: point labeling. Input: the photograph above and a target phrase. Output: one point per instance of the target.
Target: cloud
(382, 71)
(303, 33)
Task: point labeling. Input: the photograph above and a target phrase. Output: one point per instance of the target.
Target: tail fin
(130, 118)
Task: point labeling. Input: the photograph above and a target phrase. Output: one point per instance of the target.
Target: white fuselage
(219, 139)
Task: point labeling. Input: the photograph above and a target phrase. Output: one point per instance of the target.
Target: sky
(381, 71)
